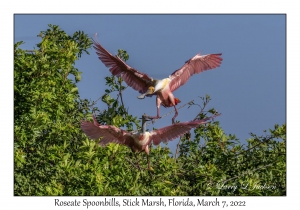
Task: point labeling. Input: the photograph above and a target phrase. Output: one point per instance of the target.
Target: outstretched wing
(135, 79)
(172, 132)
(195, 65)
(109, 133)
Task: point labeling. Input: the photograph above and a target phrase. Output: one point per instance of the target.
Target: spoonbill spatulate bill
(163, 88)
(138, 141)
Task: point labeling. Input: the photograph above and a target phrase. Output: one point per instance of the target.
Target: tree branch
(169, 113)
(177, 148)
(132, 163)
(120, 93)
(263, 141)
(32, 51)
(201, 111)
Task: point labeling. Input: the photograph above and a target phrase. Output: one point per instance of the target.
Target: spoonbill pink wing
(173, 131)
(195, 65)
(135, 79)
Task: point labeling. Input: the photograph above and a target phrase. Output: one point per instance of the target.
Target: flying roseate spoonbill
(135, 140)
(162, 88)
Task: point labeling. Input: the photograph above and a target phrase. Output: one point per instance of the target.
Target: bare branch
(137, 167)
(201, 111)
(204, 105)
(120, 92)
(32, 51)
(264, 141)
(169, 113)
(177, 148)
(94, 102)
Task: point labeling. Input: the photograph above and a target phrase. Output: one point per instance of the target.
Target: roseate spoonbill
(135, 140)
(162, 88)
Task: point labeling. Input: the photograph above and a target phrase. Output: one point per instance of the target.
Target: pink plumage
(174, 131)
(164, 88)
(138, 141)
(109, 133)
(135, 79)
(135, 139)
(195, 65)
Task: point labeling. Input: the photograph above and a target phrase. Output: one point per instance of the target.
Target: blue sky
(249, 88)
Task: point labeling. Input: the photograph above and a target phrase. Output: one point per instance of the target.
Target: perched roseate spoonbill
(162, 88)
(138, 141)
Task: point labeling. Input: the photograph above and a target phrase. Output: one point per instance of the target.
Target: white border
(8, 201)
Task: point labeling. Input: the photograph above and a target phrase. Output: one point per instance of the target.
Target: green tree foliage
(52, 156)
